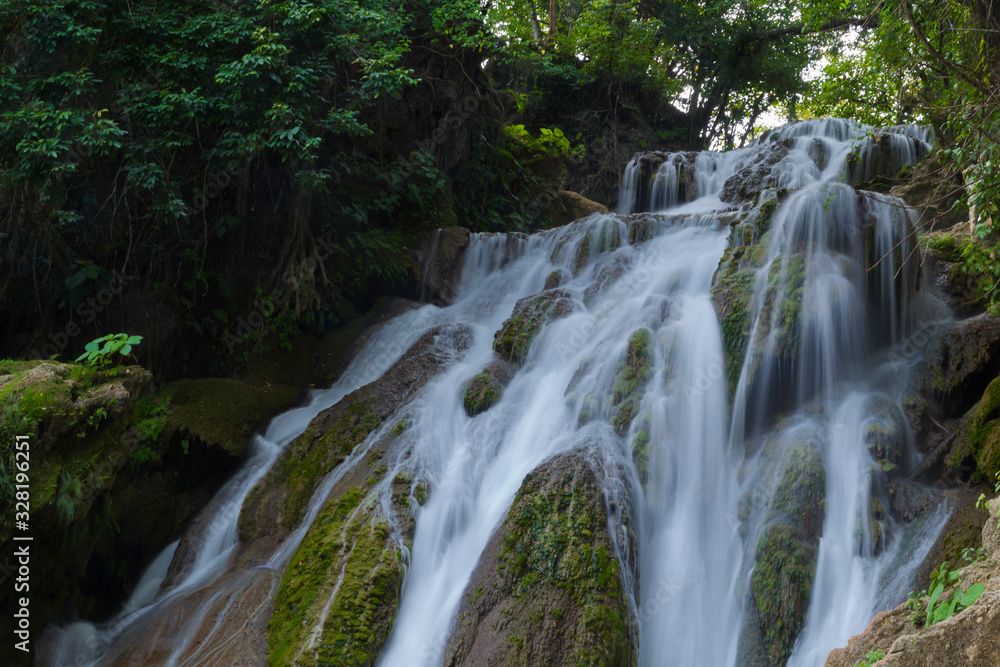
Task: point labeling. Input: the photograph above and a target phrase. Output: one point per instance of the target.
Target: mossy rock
(548, 588)
(732, 293)
(799, 496)
(514, 338)
(963, 360)
(224, 413)
(484, 390)
(735, 280)
(276, 505)
(781, 585)
(884, 437)
(787, 548)
(633, 373)
(977, 441)
(339, 594)
(76, 419)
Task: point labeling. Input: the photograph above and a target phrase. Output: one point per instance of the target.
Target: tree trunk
(536, 30)
(552, 18)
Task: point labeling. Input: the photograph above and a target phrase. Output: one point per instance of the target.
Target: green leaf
(974, 593)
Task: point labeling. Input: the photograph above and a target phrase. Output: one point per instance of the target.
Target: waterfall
(770, 296)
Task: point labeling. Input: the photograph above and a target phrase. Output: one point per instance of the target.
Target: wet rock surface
(438, 264)
(514, 338)
(275, 507)
(548, 588)
(786, 551)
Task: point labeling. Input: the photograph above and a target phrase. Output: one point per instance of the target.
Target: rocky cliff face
(967, 638)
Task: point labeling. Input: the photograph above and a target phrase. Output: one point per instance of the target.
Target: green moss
(482, 392)
(514, 338)
(978, 436)
(224, 413)
(633, 373)
(350, 547)
(732, 293)
(798, 496)
(550, 542)
(944, 246)
(781, 584)
(420, 493)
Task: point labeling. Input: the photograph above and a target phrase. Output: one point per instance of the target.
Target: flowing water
(832, 293)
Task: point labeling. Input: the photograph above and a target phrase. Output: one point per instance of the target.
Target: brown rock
(438, 265)
(571, 206)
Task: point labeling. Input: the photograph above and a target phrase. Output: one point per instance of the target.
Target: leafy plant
(99, 352)
(937, 608)
(143, 455)
(970, 555)
(983, 504)
(871, 658)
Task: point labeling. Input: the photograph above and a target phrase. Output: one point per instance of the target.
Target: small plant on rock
(871, 658)
(99, 352)
(937, 607)
(983, 504)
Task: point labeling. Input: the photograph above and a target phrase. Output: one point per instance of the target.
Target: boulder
(964, 360)
(276, 505)
(781, 582)
(484, 390)
(975, 449)
(514, 338)
(437, 266)
(548, 589)
(571, 206)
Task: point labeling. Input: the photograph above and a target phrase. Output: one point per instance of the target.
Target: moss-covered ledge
(276, 505)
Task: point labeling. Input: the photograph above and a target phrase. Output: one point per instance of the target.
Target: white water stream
(696, 550)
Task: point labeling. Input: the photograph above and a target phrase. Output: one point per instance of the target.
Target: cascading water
(766, 296)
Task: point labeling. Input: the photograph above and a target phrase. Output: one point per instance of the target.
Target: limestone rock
(438, 265)
(571, 206)
(483, 391)
(275, 506)
(548, 588)
(514, 338)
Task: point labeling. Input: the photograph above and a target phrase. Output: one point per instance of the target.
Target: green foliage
(100, 351)
(936, 608)
(983, 504)
(144, 454)
(150, 137)
(871, 658)
(103, 519)
(550, 141)
(150, 419)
